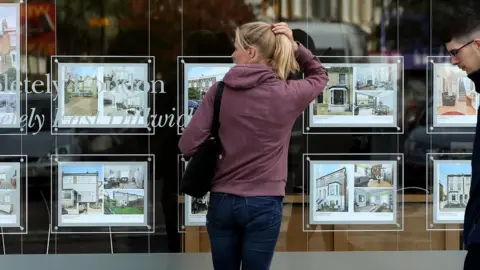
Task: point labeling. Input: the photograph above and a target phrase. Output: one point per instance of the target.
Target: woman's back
(257, 114)
(258, 110)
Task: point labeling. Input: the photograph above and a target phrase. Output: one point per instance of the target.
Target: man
(458, 26)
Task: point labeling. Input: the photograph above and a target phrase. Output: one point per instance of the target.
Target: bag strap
(216, 110)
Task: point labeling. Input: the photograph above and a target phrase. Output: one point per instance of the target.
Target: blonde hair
(277, 49)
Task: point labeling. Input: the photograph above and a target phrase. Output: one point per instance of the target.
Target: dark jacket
(471, 227)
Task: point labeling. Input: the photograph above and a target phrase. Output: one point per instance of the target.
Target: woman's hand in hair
(283, 29)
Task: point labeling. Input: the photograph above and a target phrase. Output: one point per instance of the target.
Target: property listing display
(455, 100)
(196, 210)
(10, 66)
(451, 180)
(102, 194)
(357, 95)
(353, 192)
(197, 81)
(10, 194)
(103, 95)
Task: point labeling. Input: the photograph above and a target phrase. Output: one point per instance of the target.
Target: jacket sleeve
(315, 80)
(198, 129)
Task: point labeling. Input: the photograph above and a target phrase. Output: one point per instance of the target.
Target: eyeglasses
(455, 52)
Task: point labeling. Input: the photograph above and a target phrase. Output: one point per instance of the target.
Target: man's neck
(475, 77)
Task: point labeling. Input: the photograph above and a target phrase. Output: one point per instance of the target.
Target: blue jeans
(243, 230)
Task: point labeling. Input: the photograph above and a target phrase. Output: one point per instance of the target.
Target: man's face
(465, 55)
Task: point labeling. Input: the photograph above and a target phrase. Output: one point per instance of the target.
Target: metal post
(383, 45)
(280, 8)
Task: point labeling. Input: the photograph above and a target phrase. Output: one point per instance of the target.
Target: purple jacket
(256, 119)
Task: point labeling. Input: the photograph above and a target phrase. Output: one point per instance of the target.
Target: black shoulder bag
(202, 166)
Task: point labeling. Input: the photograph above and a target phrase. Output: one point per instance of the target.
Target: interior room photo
(374, 103)
(455, 93)
(374, 77)
(124, 176)
(373, 200)
(373, 175)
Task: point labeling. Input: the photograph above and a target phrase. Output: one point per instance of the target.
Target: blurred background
(167, 29)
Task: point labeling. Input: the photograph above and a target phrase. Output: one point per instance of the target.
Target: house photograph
(9, 37)
(198, 79)
(453, 186)
(125, 77)
(374, 77)
(8, 202)
(378, 200)
(373, 175)
(124, 202)
(330, 188)
(9, 175)
(337, 98)
(124, 176)
(81, 91)
(81, 189)
(199, 206)
(454, 92)
(374, 103)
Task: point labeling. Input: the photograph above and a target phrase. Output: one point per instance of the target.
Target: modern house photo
(199, 78)
(125, 78)
(374, 103)
(454, 186)
(374, 77)
(9, 37)
(8, 202)
(454, 92)
(124, 176)
(373, 175)
(124, 202)
(331, 188)
(337, 98)
(81, 189)
(199, 206)
(379, 200)
(80, 91)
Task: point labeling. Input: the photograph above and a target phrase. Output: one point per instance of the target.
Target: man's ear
(476, 43)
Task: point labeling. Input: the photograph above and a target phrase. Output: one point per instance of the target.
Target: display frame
(186, 219)
(20, 226)
(434, 219)
(352, 99)
(21, 86)
(396, 160)
(192, 219)
(183, 63)
(147, 226)
(141, 121)
(432, 126)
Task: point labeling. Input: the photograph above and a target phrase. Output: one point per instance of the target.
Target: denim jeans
(243, 230)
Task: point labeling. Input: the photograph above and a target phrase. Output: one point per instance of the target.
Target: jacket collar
(475, 77)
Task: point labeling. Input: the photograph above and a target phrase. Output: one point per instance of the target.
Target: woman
(259, 108)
